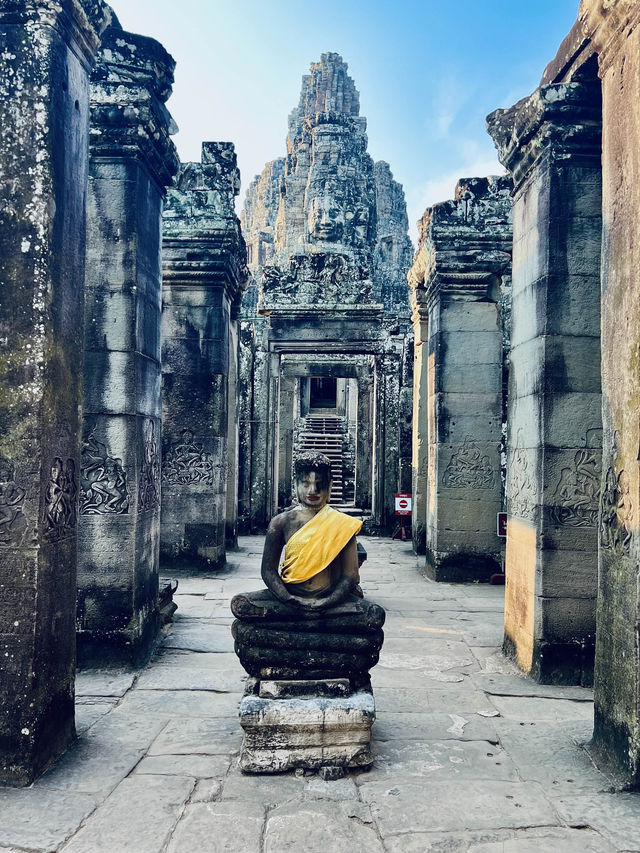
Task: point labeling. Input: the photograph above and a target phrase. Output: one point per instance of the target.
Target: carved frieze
(187, 463)
(521, 486)
(60, 502)
(13, 522)
(617, 511)
(576, 498)
(103, 481)
(149, 478)
(468, 469)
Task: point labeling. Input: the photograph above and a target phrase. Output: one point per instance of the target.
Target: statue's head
(312, 473)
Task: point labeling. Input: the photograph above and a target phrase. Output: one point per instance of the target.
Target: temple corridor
(469, 754)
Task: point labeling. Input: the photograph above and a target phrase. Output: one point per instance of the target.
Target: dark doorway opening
(323, 393)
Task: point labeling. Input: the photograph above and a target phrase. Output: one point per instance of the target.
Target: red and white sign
(501, 524)
(403, 504)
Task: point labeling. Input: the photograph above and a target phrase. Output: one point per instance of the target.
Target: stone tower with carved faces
(327, 309)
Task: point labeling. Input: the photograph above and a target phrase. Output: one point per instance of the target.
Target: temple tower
(326, 316)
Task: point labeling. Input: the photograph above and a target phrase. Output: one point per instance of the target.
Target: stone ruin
(117, 347)
(123, 441)
(326, 308)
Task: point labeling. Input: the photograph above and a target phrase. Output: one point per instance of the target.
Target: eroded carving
(576, 498)
(149, 479)
(186, 463)
(520, 482)
(60, 502)
(13, 522)
(103, 481)
(468, 469)
(617, 509)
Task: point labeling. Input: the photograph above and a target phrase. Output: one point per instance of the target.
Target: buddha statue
(311, 621)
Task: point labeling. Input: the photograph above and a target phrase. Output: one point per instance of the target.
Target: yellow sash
(312, 548)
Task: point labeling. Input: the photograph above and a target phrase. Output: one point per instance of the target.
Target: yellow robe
(314, 547)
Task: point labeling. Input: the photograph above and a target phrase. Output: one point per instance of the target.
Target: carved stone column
(464, 250)
(551, 144)
(46, 51)
(132, 162)
(204, 270)
(615, 32)
(419, 450)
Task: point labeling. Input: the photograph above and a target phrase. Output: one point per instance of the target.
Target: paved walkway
(470, 756)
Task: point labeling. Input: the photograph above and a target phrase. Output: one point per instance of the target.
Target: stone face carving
(187, 463)
(326, 225)
(469, 469)
(103, 481)
(149, 479)
(13, 522)
(60, 511)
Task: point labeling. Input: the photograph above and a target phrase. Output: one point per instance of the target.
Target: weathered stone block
(312, 732)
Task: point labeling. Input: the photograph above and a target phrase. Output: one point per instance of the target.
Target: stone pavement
(470, 756)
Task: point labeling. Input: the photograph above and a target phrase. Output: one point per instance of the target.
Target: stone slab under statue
(309, 640)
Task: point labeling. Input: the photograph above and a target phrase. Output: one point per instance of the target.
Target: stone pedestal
(551, 144)
(203, 274)
(308, 702)
(464, 251)
(132, 161)
(289, 725)
(46, 51)
(615, 31)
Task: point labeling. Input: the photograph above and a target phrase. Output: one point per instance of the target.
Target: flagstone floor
(470, 756)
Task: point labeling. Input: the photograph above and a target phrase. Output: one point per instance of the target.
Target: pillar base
(567, 664)
(610, 750)
(461, 568)
(124, 647)
(19, 768)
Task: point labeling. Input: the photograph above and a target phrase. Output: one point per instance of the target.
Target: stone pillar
(464, 250)
(364, 439)
(285, 439)
(390, 440)
(419, 454)
(204, 269)
(551, 144)
(46, 51)
(233, 425)
(615, 32)
(132, 161)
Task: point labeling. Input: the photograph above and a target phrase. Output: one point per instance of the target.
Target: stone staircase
(323, 434)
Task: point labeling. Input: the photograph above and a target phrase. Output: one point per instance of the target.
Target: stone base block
(309, 731)
(461, 567)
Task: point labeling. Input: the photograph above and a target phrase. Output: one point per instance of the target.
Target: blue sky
(427, 72)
